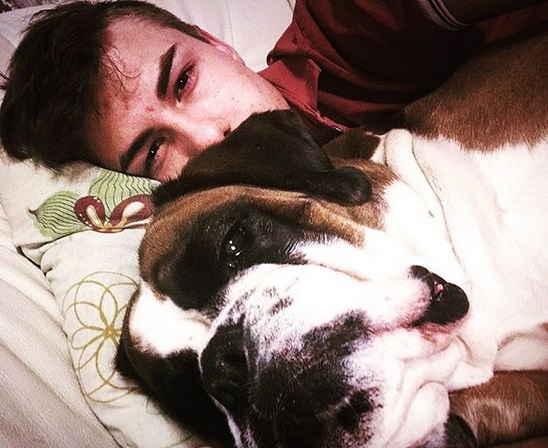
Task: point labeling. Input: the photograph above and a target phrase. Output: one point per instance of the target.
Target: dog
(289, 299)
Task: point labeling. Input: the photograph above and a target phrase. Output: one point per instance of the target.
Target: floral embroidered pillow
(113, 203)
(83, 228)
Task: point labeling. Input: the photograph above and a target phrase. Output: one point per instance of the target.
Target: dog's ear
(271, 150)
(175, 382)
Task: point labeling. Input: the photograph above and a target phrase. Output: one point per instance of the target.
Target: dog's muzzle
(290, 375)
(297, 398)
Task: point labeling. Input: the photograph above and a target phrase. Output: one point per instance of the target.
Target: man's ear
(219, 44)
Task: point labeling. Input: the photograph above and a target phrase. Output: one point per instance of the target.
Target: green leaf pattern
(66, 212)
(55, 217)
(113, 187)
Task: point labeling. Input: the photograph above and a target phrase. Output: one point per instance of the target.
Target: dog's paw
(346, 185)
(458, 434)
(358, 143)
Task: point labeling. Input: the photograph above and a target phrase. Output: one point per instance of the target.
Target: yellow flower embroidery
(94, 314)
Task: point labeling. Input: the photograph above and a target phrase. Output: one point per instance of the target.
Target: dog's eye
(236, 242)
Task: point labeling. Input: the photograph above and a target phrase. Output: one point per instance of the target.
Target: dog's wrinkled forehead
(245, 201)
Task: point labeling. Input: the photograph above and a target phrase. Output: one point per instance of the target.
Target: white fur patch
(495, 207)
(159, 326)
(490, 209)
(408, 369)
(422, 230)
(380, 258)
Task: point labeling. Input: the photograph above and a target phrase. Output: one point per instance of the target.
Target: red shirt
(348, 63)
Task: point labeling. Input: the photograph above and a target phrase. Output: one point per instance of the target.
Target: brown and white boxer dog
(338, 306)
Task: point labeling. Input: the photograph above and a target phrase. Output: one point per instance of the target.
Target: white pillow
(70, 226)
(40, 397)
(83, 229)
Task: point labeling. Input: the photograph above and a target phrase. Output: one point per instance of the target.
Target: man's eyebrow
(166, 61)
(136, 145)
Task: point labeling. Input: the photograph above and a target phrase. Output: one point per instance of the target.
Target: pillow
(82, 227)
(40, 395)
(10, 5)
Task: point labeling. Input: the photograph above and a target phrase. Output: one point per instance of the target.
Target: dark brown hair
(50, 82)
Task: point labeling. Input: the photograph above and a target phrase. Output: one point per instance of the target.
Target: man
(128, 86)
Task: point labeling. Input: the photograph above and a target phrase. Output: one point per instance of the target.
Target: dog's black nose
(448, 302)
(224, 368)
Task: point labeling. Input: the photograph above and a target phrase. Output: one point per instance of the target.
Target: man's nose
(202, 133)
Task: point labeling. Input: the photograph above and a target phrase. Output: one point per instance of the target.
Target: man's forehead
(146, 33)
(124, 66)
(134, 50)
(124, 53)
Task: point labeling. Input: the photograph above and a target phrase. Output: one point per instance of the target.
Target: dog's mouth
(448, 302)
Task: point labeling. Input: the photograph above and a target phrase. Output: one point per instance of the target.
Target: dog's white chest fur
(484, 220)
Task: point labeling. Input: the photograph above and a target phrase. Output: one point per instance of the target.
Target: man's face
(164, 96)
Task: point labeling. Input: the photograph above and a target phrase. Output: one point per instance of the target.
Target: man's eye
(152, 153)
(182, 81)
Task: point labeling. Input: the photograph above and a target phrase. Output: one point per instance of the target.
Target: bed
(68, 266)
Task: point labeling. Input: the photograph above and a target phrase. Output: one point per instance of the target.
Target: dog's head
(288, 309)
